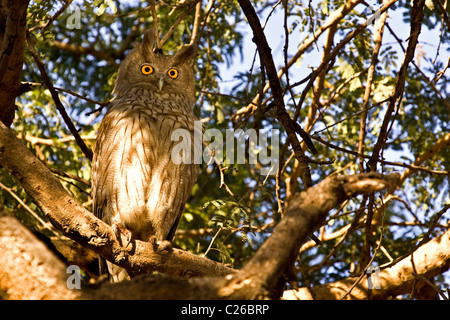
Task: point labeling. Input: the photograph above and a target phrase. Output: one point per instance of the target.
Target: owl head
(144, 69)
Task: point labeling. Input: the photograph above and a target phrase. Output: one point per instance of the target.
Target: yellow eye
(173, 73)
(146, 69)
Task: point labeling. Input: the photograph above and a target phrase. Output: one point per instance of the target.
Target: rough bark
(28, 270)
(429, 260)
(261, 278)
(12, 48)
(67, 215)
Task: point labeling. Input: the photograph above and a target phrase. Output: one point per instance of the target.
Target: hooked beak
(160, 83)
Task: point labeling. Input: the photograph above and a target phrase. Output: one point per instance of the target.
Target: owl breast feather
(144, 190)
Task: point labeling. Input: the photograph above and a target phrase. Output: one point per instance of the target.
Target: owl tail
(116, 274)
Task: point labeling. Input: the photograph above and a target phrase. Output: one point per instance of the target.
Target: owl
(137, 188)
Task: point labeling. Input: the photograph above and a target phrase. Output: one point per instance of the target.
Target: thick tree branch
(262, 277)
(28, 269)
(77, 223)
(429, 260)
(12, 48)
(306, 211)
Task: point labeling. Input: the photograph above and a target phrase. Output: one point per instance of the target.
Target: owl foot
(119, 232)
(160, 246)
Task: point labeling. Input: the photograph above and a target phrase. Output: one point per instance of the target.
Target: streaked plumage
(135, 184)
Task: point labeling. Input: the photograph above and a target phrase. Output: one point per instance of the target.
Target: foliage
(238, 210)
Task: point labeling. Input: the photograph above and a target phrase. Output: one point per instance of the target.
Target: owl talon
(160, 246)
(119, 232)
(164, 246)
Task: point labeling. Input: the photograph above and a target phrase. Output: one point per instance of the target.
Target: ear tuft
(186, 53)
(147, 43)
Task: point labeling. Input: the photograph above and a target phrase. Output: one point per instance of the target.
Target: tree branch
(429, 260)
(12, 48)
(48, 83)
(180, 18)
(290, 125)
(28, 269)
(416, 24)
(350, 36)
(77, 223)
(80, 50)
(378, 37)
(262, 277)
(332, 20)
(306, 211)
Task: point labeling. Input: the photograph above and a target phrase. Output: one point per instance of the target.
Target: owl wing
(99, 196)
(171, 181)
(190, 177)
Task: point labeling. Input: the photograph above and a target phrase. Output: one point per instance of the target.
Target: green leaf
(101, 9)
(112, 5)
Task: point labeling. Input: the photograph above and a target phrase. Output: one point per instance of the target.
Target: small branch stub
(369, 183)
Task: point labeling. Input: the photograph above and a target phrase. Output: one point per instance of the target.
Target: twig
(391, 163)
(28, 209)
(332, 20)
(26, 86)
(199, 33)
(351, 35)
(50, 142)
(52, 18)
(416, 24)
(370, 76)
(135, 30)
(425, 239)
(120, 15)
(306, 277)
(431, 284)
(324, 238)
(72, 177)
(226, 95)
(363, 272)
(431, 83)
(219, 167)
(441, 73)
(277, 191)
(319, 83)
(267, 60)
(440, 144)
(442, 11)
(155, 25)
(352, 115)
(80, 50)
(58, 103)
(355, 223)
(178, 20)
(212, 241)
